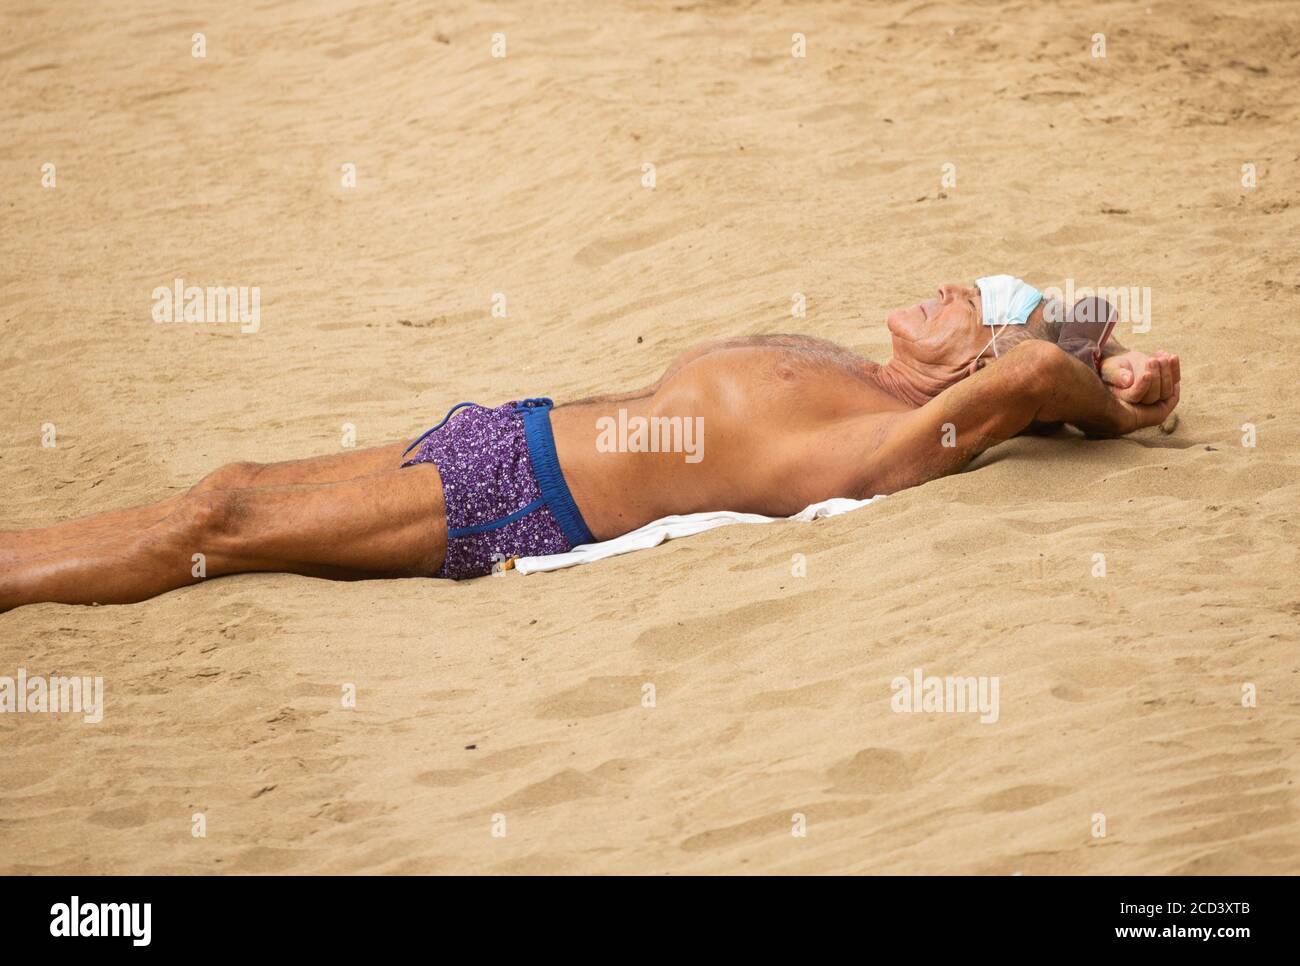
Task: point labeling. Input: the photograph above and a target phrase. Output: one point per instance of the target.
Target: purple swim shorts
(502, 486)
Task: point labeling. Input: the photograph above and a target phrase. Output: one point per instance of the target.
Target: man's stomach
(633, 461)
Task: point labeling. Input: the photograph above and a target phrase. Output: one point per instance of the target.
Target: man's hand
(1135, 377)
(1140, 415)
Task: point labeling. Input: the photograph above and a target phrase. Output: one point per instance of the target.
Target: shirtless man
(788, 421)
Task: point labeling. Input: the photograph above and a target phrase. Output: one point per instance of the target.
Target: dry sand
(521, 696)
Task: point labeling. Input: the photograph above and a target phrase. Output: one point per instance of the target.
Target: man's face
(935, 340)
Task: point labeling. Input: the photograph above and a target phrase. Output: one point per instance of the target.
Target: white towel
(669, 528)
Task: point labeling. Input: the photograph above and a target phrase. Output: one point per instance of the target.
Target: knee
(210, 516)
(232, 476)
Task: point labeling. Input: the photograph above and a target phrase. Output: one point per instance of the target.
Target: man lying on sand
(785, 421)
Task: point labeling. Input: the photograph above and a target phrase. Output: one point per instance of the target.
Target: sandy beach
(382, 178)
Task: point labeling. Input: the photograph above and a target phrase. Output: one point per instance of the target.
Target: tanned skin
(788, 420)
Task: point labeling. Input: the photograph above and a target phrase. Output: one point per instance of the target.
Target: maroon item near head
(1086, 329)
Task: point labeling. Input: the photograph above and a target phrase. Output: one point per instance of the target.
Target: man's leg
(320, 469)
(389, 524)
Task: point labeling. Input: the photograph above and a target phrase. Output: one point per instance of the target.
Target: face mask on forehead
(1006, 300)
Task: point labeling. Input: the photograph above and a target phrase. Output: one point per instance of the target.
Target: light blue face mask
(1006, 300)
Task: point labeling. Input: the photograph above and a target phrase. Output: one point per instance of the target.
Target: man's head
(943, 339)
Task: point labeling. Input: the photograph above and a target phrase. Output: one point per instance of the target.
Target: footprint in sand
(596, 696)
(1020, 798)
(873, 770)
(604, 250)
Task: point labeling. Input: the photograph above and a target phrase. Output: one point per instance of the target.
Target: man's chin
(900, 320)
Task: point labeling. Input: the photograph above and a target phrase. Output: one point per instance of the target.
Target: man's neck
(905, 385)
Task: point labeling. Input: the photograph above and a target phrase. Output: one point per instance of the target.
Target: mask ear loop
(974, 363)
(994, 341)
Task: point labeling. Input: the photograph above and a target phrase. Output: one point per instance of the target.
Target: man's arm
(1082, 400)
(1036, 382)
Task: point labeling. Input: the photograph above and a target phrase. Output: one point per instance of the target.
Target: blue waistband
(546, 467)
